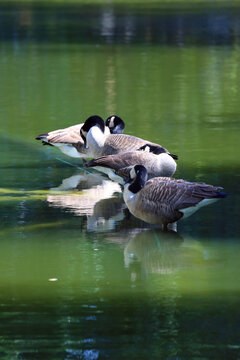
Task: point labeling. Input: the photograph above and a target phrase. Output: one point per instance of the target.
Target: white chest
(129, 197)
(95, 140)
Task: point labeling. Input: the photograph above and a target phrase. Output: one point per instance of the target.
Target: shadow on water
(179, 25)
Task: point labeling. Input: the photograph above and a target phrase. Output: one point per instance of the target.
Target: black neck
(94, 120)
(139, 182)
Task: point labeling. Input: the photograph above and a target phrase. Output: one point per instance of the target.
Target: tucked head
(157, 150)
(153, 149)
(93, 120)
(137, 178)
(137, 170)
(136, 174)
(115, 124)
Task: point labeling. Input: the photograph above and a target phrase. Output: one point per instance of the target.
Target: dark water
(80, 278)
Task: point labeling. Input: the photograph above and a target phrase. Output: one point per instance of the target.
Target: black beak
(128, 180)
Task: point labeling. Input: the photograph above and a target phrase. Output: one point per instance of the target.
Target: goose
(164, 200)
(118, 166)
(70, 142)
(101, 143)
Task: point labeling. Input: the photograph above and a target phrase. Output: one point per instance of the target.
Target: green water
(80, 278)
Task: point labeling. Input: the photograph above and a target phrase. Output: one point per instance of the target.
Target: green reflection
(171, 288)
(154, 262)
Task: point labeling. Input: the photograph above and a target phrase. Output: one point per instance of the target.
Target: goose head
(157, 150)
(137, 178)
(92, 121)
(116, 124)
(154, 149)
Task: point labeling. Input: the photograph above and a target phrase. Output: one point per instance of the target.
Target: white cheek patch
(84, 133)
(111, 122)
(132, 173)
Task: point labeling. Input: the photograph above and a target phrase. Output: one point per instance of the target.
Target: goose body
(164, 200)
(118, 166)
(101, 143)
(70, 142)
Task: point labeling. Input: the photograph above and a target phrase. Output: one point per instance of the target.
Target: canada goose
(164, 200)
(118, 166)
(69, 140)
(101, 143)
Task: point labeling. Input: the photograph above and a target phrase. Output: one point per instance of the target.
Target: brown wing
(122, 160)
(70, 135)
(152, 206)
(116, 143)
(179, 193)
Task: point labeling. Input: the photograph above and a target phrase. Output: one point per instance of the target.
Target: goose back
(116, 143)
(162, 200)
(69, 135)
(156, 165)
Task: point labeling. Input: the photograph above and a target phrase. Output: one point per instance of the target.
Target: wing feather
(116, 143)
(178, 193)
(70, 135)
(122, 160)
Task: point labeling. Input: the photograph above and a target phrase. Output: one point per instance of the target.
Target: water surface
(80, 277)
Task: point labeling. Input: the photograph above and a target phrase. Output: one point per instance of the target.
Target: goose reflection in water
(80, 181)
(96, 197)
(159, 252)
(107, 213)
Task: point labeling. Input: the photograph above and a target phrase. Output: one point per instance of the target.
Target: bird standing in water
(164, 200)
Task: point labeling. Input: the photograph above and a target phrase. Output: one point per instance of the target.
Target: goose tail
(175, 157)
(41, 136)
(221, 194)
